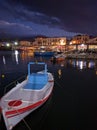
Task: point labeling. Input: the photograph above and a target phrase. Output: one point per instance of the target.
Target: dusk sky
(52, 18)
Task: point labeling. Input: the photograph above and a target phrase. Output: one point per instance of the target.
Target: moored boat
(42, 51)
(26, 96)
(46, 53)
(58, 57)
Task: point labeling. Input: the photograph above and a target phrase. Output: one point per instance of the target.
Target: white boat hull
(21, 101)
(12, 120)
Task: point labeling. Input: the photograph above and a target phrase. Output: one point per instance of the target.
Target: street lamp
(16, 43)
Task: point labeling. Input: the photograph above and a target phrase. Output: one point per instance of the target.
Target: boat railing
(36, 63)
(13, 84)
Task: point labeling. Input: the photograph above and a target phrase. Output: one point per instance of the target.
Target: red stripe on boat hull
(13, 113)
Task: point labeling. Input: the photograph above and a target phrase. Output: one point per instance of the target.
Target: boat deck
(34, 86)
(36, 81)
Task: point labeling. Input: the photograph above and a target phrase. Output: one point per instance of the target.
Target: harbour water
(73, 103)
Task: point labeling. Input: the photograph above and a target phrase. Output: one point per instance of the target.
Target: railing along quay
(82, 56)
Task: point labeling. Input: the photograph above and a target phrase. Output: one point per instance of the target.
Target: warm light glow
(62, 42)
(59, 73)
(70, 43)
(42, 47)
(73, 42)
(2, 75)
(7, 44)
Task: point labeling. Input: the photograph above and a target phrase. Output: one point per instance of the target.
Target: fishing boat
(26, 96)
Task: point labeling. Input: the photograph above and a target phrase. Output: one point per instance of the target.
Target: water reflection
(83, 64)
(23, 58)
(16, 56)
(4, 61)
(91, 64)
(25, 55)
(79, 100)
(59, 73)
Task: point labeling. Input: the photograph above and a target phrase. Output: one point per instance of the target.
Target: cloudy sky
(27, 18)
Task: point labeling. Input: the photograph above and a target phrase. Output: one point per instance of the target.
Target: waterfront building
(56, 43)
(83, 42)
(92, 43)
(25, 45)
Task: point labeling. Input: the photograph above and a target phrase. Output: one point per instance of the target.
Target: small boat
(58, 58)
(42, 51)
(26, 96)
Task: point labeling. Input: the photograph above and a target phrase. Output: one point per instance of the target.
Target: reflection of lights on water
(4, 60)
(2, 75)
(16, 56)
(81, 64)
(77, 63)
(91, 64)
(16, 52)
(62, 64)
(26, 54)
(59, 73)
(74, 63)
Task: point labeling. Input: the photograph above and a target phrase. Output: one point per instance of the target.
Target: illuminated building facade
(80, 39)
(51, 43)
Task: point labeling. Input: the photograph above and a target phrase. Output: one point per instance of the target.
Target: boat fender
(17, 82)
(10, 127)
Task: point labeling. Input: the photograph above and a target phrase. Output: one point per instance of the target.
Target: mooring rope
(14, 82)
(26, 124)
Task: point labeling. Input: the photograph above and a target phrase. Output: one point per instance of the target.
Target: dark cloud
(48, 17)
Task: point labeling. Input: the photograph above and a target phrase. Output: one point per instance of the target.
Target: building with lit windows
(51, 43)
(92, 43)
(80, 39)
(79, 42)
